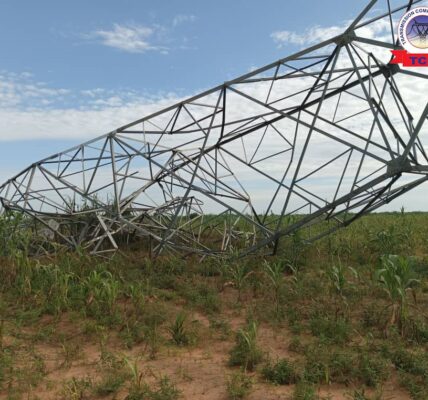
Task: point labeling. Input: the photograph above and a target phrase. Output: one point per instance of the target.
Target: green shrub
(222, 327)
(416, 385)
(304, 391)
(416, 330)
(246, 352)
(164, 390)
(414, 364)
(391, 240)
(178, 330)
(238, 386)
(334, 331)
(283, 372)
(201, 296)
(132, 332)
(372, 370)
(324, 365)
(101, 292)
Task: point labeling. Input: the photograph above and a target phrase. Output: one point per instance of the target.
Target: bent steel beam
(308, 143)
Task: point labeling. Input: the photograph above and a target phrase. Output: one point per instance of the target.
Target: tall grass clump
(397, 278)
(246, 352)
(275, 276)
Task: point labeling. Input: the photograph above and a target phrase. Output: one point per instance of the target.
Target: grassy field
(343, 318)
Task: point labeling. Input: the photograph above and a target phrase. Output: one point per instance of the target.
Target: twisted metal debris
(308, 143)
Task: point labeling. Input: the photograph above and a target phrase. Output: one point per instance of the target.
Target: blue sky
(205, 41)
(194, 45)
(62, 46)
(106, 63)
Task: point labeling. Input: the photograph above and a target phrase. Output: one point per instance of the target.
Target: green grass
(238, 386)
(246, 352)
(283, 372)
(349, 310)
(179, 332)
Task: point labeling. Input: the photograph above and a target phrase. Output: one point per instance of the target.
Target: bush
(335, 331)
(371, 370)
(238, 386)
(416, 330)
(282, 372)
(201, 296)
(326, 366)
(304, 391)
(164, 390)
(246, 353)
(414, 364)
(416, 385)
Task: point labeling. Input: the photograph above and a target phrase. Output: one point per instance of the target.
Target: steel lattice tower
(308, 143)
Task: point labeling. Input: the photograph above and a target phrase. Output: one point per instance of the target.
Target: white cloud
(130, 38)
(139, 38)
(182, 19)
(35, 110)
(317, 34)
(312, 35)
(19, 90)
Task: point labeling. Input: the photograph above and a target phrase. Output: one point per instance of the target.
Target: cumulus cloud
(130, 38)
(20, 90)
(140, 38)
(34, 110)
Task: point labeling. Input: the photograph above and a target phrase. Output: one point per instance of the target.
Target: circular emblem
(413, 30)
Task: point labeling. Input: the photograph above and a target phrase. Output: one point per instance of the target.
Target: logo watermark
(412, 35)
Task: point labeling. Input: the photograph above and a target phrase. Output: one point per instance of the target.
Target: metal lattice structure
(308, 143)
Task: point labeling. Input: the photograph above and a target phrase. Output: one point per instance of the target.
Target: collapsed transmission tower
(308, 143)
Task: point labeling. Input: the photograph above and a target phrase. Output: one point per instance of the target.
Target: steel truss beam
(308, 143)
